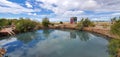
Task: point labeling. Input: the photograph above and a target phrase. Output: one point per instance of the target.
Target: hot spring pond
(56, 43)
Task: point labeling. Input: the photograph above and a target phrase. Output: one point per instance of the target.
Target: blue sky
(60, 10)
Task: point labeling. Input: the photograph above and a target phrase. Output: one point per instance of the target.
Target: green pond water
(56, 43)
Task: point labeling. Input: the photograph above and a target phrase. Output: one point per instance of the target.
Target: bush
(24, 25)
(115, 28)
(52, 24)
(92, 24)
(61, 22)
(114, 45)
(85, 23)
(4, 22)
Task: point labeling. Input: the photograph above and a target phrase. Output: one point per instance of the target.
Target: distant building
(73, 20)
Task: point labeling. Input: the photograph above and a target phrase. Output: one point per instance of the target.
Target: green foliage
(114, 45)
(45, 22)
(92, 24)
(22, 25)
(115, 28)
(4, 22)
(7, 22)
(85, 22)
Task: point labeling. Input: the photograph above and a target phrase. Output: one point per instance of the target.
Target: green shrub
(85, 22)
(52, 24)
(114, 45)
(4, 22)
(61, 22)
(115, 28)
(24, 25)
(92, 24)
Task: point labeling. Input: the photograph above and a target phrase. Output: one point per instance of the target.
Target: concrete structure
(73, 20)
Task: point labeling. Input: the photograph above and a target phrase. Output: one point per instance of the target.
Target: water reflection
(46, 32)
(11, 44)
(84, 36)
(72, 35)
(56, 43)
(26, 37)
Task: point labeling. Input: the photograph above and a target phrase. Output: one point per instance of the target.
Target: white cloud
(10, 7)
(29, 13)
(116, 13)
(34, 14)
(92, 5)
(66, 5)
(68, 8)
(64, 9)
(73, 13)
(109, 5)
(28, 5)
(14, 10)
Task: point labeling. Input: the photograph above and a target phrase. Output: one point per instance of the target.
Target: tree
(45, 22)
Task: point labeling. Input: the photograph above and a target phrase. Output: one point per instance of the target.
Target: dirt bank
(97, 29)
(102, 31)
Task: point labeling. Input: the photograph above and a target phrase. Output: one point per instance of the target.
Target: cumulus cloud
(34, 14)
(14, 8)
(67, 5)
(63, 8)
(116, 13)
(28, 5)
(93, 5)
